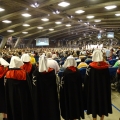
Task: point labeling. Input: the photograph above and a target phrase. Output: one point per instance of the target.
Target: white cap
(70, 62)
(25, 58)
(15, 62)
(43, 64)
(4, 62)
(97, 56)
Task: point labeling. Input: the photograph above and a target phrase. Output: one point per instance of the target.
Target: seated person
(117, 63)
(82, 64)
(88, 58)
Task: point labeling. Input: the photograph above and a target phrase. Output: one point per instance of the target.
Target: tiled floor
(116, 108)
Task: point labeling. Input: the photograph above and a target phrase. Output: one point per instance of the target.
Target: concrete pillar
(3, 42)
(17, 42)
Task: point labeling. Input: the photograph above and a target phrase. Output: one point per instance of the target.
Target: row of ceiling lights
(26, 25)
(62, 4)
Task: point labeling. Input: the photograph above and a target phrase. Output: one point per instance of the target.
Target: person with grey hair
(52, 63)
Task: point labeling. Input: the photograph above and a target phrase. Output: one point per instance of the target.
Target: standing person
(71, 100)
(98, 87)
(18, 98)
(28, 67)
(45, 96)
(52, 63)
(3, 70)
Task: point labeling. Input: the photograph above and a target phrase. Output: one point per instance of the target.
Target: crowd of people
(30, 90)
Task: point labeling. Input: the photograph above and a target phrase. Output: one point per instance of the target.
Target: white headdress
(4, 62)
(70, 61)
(25, 58)
(15, 62)
(97, 56)
(43, 64)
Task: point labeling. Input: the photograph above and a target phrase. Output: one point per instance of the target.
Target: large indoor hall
(59, 59)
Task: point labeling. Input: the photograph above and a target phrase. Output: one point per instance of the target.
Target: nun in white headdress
(28, 67)
(71, 100)
(70, 62)
(3, 69)
(18, 97)
(97, 87)
(45, 94)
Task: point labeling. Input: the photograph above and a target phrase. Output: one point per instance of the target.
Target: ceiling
(81, 27)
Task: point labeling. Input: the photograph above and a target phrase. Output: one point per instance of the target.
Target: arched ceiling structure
(80, 24)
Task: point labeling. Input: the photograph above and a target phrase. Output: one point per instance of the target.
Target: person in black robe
(98, 87)
(3, 70)
(71, 97)
(28, 67)
(18, 87)
(45, 96)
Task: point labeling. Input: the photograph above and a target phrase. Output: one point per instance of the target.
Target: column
(3, 42)
(17, 42)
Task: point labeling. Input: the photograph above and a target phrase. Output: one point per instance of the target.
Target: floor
(116, 108)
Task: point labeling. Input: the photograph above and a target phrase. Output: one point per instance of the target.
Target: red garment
(118, 71)
(3, 71)
(72, 68)
(16, 74)
(27, 67)
(99, 65)
(49, 70)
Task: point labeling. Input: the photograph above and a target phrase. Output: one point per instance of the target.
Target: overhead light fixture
(25, 32)
(45, 19)
(40, 27)
(1, 9)
(110, 7)
(58, 22)
(68, 25)
(51, 29)
(26, 25)
(117, 14)
(79, 11)
(26, 15)
(35, 5)
(7, 21)
(64, 4)
(10, 30)
(90, 17)
(56, 12)
(97, 20)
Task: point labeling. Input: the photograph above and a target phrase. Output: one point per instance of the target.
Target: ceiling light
(10, 30)
(58, 22)
(110, 7)
(26, 15)
(25, 32)
(97, 20)
(117, 14)
(64, 4)
(79, 11)
(51, 29)
(45, 19)
(40, 27)
(6, 21)
(56, 12)
(35, 5)
(68, 25)
(89, 17)
(26, 25)
(1, 9)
